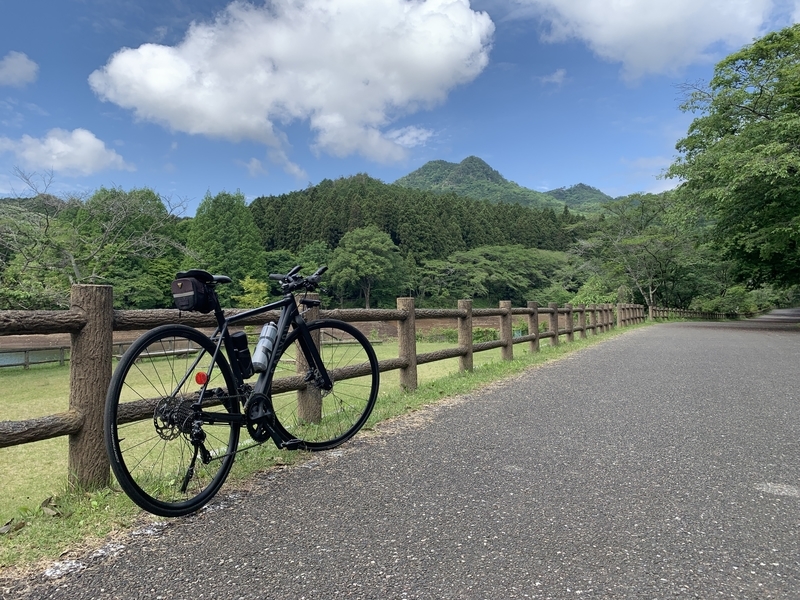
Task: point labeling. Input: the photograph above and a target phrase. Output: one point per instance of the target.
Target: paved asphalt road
(661, 463)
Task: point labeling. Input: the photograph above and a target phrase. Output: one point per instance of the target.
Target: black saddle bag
(191, 294)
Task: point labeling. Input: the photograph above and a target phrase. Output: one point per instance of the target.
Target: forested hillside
(473, 178)
(445, 246)
(425, 224)
(581, 198)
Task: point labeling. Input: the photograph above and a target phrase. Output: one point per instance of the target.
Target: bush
(441, 334)
(450, 335)
(594, 291)
(735, 300)
(484, 334)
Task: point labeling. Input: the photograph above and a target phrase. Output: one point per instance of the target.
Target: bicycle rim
(148, 421)
(325, 419)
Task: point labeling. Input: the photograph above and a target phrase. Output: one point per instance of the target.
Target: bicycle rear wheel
(321, 419)
(149, 421)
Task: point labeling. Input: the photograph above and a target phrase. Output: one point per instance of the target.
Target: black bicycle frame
(290, 316)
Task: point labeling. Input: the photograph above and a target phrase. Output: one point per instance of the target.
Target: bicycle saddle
(204, 276)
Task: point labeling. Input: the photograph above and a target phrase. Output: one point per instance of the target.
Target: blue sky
(195, 96)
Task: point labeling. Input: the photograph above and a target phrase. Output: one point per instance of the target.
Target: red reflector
(201, 378)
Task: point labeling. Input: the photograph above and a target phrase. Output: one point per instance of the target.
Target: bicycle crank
(260, 418)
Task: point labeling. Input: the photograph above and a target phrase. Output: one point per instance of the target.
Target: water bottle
(266, 342)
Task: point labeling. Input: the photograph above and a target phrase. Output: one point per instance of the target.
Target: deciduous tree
(740, 161)
(365, 258)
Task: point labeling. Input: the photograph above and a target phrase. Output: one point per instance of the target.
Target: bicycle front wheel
(317, 418)
(167, 461)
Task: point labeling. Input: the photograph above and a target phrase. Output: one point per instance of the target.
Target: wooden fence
(91, 322)
(683, 313)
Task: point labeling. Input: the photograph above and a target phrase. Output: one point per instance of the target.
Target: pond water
(10, 358)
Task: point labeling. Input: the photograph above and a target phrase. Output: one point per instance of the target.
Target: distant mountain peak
(443, 175)
(475, 178)
(473, 168)
(580, 195)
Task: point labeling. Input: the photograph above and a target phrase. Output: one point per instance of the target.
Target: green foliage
(594, 291)
(48, 243)
(224, 239)
(255, 293)
(738, 299)
(425, 224)
(741, 158)
(450, 335)
(643, 243)
(552, 293)
(313, 256)
(581, 197)
(473, 178)
(143, 283)
(366, 259)
(490, 272)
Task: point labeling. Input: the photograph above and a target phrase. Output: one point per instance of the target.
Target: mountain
(474, 178)
(581, 197)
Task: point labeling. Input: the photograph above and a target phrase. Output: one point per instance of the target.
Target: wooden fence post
(570, 323)
(407, 341)
(593, 318)
(465, 336)
(582, 320)
(533, 325)
(619, 315)
(89, 376)
(506, 331)
(309, 399)
(553, 323)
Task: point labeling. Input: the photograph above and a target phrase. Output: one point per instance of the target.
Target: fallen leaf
(11, 526)
(50, 508)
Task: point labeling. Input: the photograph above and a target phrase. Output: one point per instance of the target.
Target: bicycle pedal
(293, 445)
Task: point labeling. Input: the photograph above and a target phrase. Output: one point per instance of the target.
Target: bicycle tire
(148, 421)
(314, 419)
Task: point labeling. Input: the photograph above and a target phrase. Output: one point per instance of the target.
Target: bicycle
(178, 398)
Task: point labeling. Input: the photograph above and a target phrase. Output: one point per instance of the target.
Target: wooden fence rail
(91, 322)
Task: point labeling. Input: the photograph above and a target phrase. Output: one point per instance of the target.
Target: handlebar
(292, 281)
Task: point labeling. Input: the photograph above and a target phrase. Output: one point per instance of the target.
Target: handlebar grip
(276, 276)
(293, 271)
(320, 271)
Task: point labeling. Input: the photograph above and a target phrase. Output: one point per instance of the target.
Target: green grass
(32, 474)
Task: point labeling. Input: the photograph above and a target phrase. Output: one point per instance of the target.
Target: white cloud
(409, 137)
(348, 68)
(17, 70)
(650, 36)
(558, 77)
(255, 168)
(71, 153)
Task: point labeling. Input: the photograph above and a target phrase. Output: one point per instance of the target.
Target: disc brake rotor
(173, 417)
